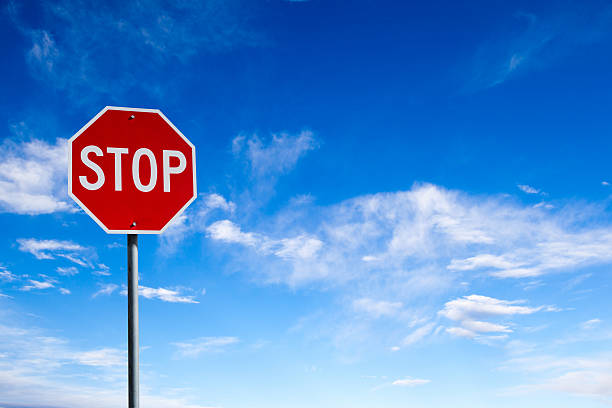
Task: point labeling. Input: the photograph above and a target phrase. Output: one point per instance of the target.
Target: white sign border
(84, 207)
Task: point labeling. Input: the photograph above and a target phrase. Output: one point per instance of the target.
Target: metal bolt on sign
(133, 172)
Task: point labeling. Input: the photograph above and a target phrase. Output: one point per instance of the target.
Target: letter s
(83, 179)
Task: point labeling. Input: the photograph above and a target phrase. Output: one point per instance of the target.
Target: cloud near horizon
(34, 368)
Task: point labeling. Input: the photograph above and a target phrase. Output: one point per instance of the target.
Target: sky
(400, 204)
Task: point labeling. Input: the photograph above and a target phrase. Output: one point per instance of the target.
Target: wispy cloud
(555, 252)
(528, 189)
(395, 247)
(267, 161)
(410, 382)
(574, 375)
(38, 285)
(194, 348)
(298, 247)
(6, 275)
(167, 295)
(407, 382)
(36, 368)
(152, 36)
(377, 308)
(393, 232)
(163, 294)
(104, 357)
(537, 41)
(215, 201)
(46, 248)
(67, 270)
(195, 219)
(278, 156)
(418, 334)
(105, 289)
(51, 249)
(590, 324)
(101, 270)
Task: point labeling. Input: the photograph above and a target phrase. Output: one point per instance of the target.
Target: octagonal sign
(131, 170)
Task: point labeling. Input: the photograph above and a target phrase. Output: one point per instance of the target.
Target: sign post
(132, 293)
(133, 172)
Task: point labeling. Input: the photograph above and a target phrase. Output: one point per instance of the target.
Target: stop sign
(131, 170)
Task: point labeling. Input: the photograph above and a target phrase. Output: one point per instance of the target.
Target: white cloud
(6, 275)
(590, 324)
(215, 201)
(482, 261)
(583, 382)
(414, 247)
(105, 289)
(201, 345)
(64, 291)
(48, 248)
(528, 189)
(426, 227)
(52, 249)
(166, 295)
(418, 334)
(67, 271)
(369, 258)
(36, 368)
(33, 177)
(484, 327)
(544, 204)
(552, 251)
(174, 234)
(469, 312)
(104, 357)
(195, 219)
(477, 306)
(265, 162)
(605, 183)
(377, 308)
(461, 332)
(227, 231)
(38, 285)
(410, 382)
(163, 294)
(102, 270)
(277, 157)
(301, 247)
(589, 376)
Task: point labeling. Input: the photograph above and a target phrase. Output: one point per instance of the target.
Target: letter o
(136, 170)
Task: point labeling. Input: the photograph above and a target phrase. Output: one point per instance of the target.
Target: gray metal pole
(132, 320)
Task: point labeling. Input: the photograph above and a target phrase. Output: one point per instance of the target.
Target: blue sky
(400, 205)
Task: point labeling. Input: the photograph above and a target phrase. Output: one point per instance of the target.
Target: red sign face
(131, 170)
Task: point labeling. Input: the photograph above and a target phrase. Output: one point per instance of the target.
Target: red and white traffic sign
(131, 170)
